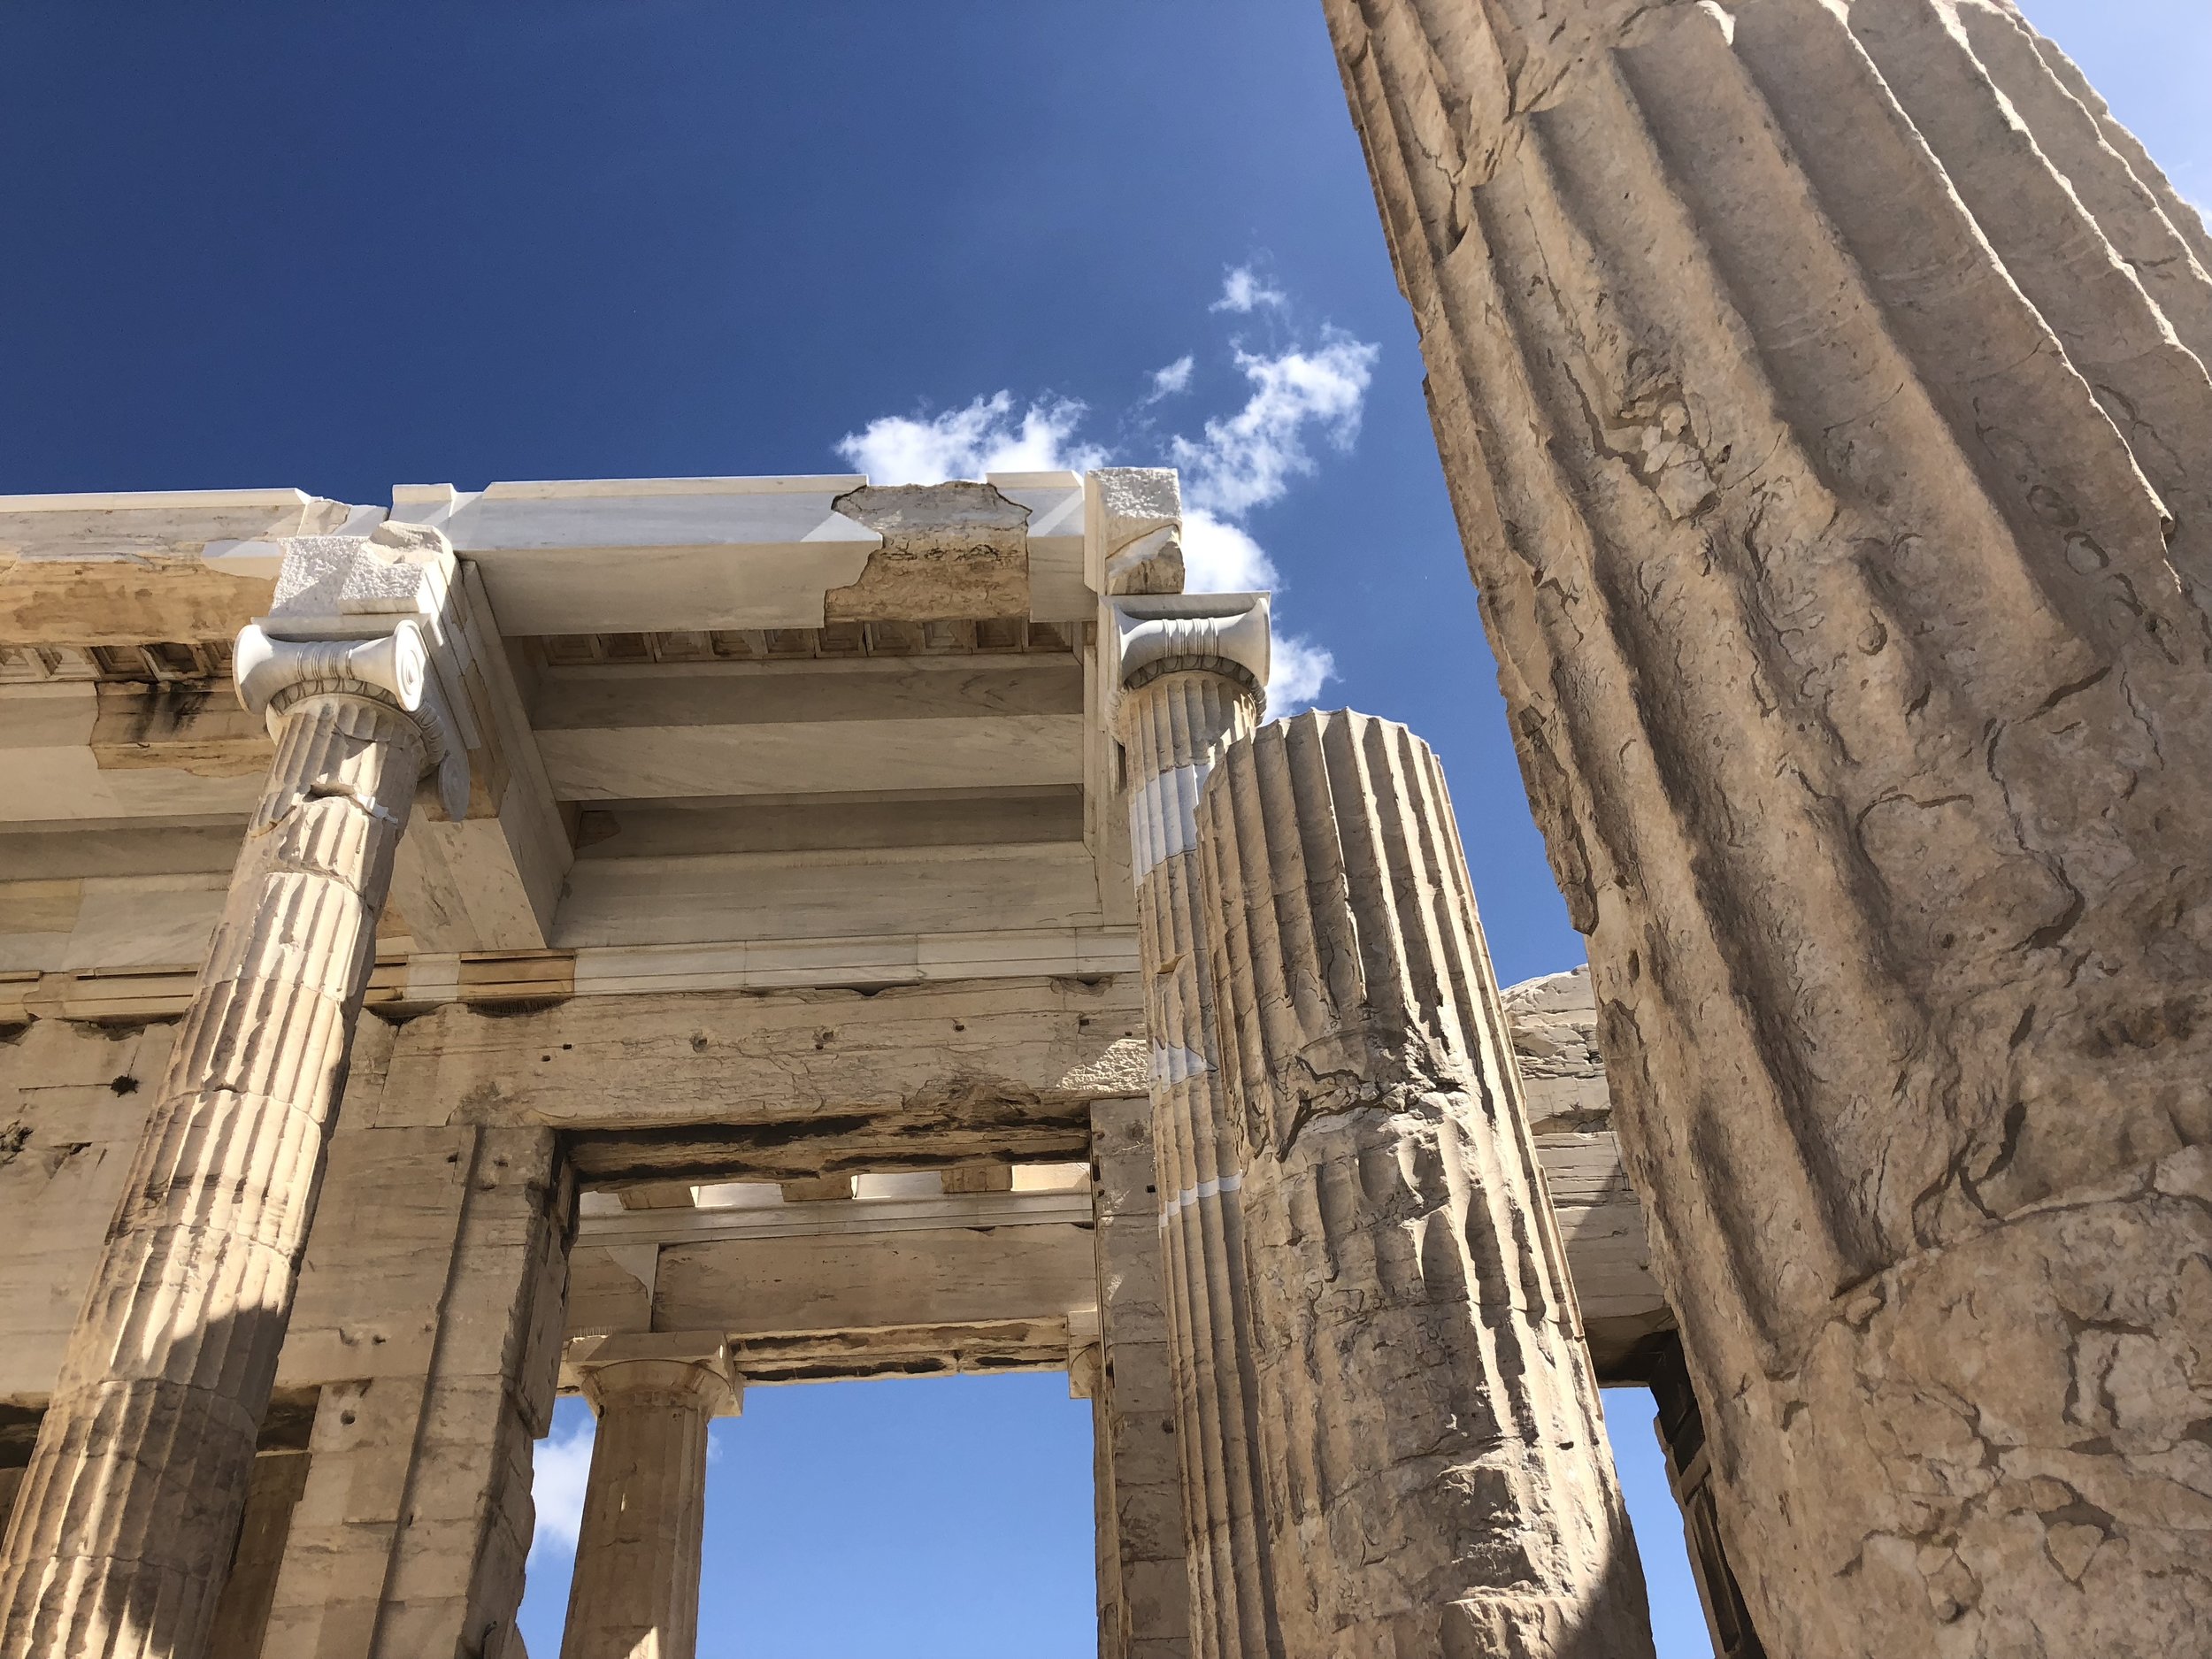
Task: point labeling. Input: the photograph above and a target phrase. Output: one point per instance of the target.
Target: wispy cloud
(984, 436)
(560, 1465)
(1174, 379)
(1238, 462)
(1296, 671)
(1221, 557)
(1243, 290)
(1249, 459)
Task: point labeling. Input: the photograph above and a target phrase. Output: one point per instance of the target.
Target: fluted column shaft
(1822, 391)
(135, 1489)
(1439, 1481)
(1171, 725)
(635, 1591)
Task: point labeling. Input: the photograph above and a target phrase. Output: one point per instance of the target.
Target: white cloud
(1247, 460)
(559, 1466)
(1296, 668)
(983, 437)
(1219, 558)
(1242, 291)
(1240, 462)
(1174, 379)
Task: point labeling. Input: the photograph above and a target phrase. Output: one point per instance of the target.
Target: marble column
(635, 1591)
(1823, 392)
(135, 1490)
(1438, 1478)
(1191, 672)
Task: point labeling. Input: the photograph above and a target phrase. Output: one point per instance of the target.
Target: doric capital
(693, 1365)
(365, 616)
(1165, 634)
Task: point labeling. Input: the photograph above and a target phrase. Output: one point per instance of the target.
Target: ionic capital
(1164, 633)
(365, 617)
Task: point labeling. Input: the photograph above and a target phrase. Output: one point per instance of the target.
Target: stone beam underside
(809, 1292)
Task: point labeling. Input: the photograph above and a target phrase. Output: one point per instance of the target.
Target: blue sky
(348, 247)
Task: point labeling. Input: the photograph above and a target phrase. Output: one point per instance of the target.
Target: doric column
(1823, 392)
(635, 1591)
(135, 1489)
(1191, 672)
(1439, 1481)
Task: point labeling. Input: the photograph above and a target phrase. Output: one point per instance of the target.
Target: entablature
(695, 711)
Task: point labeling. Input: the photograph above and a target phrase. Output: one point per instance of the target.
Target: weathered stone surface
(1172, 724)
(60, 556)
(1601, 1220)
(117, 1547)
(76, 1097)
(134, 1495)
(1554, 1024)
(198, 729)
(465, 1517)
(1135, 517)
(958, 550)
(783, 1063)
(242, 1614)
(1144, 1578)
(1822, 391)
(430, 1316)
(955, 1275)
(1438, 1479)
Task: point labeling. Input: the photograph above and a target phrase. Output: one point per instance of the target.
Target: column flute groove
(1448, 1488)
(1188, 683)
(138, 1481)
(1823, 395)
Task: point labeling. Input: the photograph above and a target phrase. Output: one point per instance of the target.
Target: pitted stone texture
(135, 1492)
(1173, 726)
(397, 570)
(1144, 1582)
(1438, 1476)
(635, 1591)
(1822, 390)
(1554, 1022)
(957, 550)
(430, 1314)
(1136, 529)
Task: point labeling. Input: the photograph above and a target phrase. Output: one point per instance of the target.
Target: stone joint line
(1172, 1064)
(1164, 817)
(1230, 1183)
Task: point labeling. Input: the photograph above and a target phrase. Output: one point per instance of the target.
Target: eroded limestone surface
(1173, 723)
(1438, 1479)
(133, 1498)
(1822, 389)
(763, 983)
